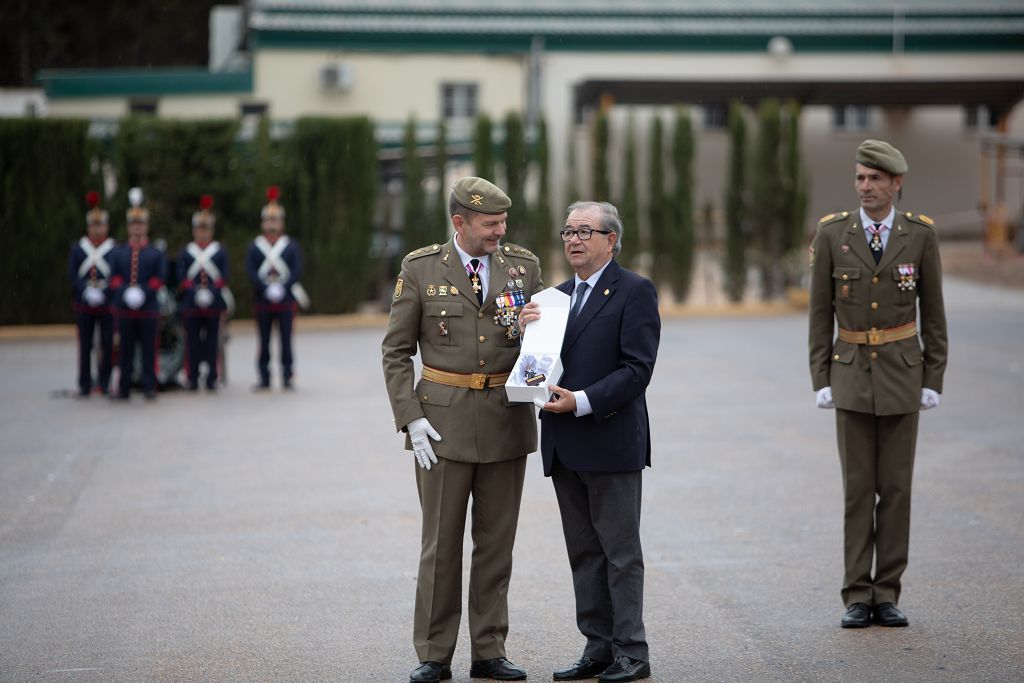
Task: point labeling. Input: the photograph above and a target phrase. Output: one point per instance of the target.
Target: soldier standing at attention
(458, 303)
(871, 271)
(140, 270)
(202, 283)
(274, 266)
(89, 270)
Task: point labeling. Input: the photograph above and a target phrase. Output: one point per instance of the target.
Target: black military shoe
(499, 668)
(858, 615)
(261, 386)
(625, 669)
(584, 668)
(430, 672)
(886, 614)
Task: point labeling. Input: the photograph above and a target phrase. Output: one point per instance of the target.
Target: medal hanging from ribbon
(473, 269)
(876, 235)
(509, 304)
(906, 272)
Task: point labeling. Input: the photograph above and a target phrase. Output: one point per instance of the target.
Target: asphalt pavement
(274, 537)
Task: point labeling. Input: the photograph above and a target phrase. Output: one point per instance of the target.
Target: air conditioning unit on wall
(336, 77)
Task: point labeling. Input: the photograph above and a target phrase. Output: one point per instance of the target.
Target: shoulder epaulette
(833, 217)
(423, 251)
(516, 250)
(919, 218)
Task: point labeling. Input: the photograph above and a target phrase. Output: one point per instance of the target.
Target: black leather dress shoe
(499, 668)
(625, 669)
(584, 668)
(886, 614)
(858, 615)
(431, 672)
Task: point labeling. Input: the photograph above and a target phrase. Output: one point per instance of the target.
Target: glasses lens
(567, 235)
(585, 233)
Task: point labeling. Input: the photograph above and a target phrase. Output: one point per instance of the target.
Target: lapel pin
(607, 292)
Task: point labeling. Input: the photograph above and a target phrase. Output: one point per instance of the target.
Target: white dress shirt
(485, 264)
(582, 402)
(887, 222)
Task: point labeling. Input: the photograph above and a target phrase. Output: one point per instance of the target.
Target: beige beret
(480, 195)
(883, 156)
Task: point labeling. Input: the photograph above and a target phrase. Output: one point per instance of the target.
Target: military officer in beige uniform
(458, 303)
(872, 271)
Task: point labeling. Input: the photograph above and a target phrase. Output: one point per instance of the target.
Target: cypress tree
(542, 228)
(660, 238)
(572, 187)
(628, 203)
(602, 184)
(416, 228)
(515, 178)
(767, 195)
(735, 207)
(442, 220)
(483, 149)
(795, 194)
(682, 253)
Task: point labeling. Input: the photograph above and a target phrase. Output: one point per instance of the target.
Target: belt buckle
(478, 380)
(874, 337)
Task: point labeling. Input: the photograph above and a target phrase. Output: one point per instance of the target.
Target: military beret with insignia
(480, 195)
(883, 156)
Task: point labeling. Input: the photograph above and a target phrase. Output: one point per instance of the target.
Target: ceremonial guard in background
(204, 296)
(274, 266)
(89, 270)
(139, 271)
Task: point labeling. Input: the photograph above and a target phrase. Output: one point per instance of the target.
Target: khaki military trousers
(877, 457)
(445, 490)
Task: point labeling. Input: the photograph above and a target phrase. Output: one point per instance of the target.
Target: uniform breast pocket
(442, 321)
(847, 285)
(905, 275)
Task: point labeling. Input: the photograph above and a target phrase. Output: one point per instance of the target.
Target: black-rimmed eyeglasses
(582, 233)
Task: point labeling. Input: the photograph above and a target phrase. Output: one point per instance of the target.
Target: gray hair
(609, 219)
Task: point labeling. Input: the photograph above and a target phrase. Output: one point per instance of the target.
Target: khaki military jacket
(435, 310)
(847, 288)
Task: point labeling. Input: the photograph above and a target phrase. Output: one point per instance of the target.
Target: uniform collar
(592, 280)
(466, 258)
(865, 220)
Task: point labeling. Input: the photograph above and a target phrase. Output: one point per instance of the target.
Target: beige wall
(386, 86)
(171, 107)
(88, 107)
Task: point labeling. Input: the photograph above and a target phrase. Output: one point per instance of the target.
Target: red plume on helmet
(206, 202)
(273, 193)
(272, 209)
(95, 214)
(203, 216)
(92, 198)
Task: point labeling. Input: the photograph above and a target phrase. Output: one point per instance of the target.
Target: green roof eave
(520, 43)
(142, 82)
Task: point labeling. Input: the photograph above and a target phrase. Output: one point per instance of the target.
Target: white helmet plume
(135, 196)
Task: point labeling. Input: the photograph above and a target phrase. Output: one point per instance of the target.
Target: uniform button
(480, 314)
(425, 397)
(874, 305)
(835, 357)
(482, 339)
(845, 276)
(483, 363)
(874, 280)
(874, 355)
(444, 312)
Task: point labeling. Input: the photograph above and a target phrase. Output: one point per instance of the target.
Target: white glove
(929, 398)
(420, 433)
(275, 292)
(824, 398)
(134, 297)
(93, 296)
(204, 297)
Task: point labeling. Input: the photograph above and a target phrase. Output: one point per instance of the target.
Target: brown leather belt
(477, 380)
(876, 337)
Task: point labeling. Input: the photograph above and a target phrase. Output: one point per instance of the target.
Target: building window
(458, 100)
(716, 116)
(254, 108)
(979, 118)
(851, 117)
(147, 107)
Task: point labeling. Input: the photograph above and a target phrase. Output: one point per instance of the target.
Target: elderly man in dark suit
(595, 440)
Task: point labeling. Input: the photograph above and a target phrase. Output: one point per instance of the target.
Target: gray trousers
(601, 522)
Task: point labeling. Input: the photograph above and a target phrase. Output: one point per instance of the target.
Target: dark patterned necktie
(581, 292)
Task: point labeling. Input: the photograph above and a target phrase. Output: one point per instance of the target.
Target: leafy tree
(416, 228)
(736, 234)
(628, 203)
(683, 237)
(767, 195)
(483, 148)
(602, 184)
(516, 163)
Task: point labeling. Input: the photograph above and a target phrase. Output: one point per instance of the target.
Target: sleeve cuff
(583, 407)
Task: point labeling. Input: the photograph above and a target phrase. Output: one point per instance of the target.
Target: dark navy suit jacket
(609, 352)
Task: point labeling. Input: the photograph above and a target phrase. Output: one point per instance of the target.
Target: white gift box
(540, 350)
